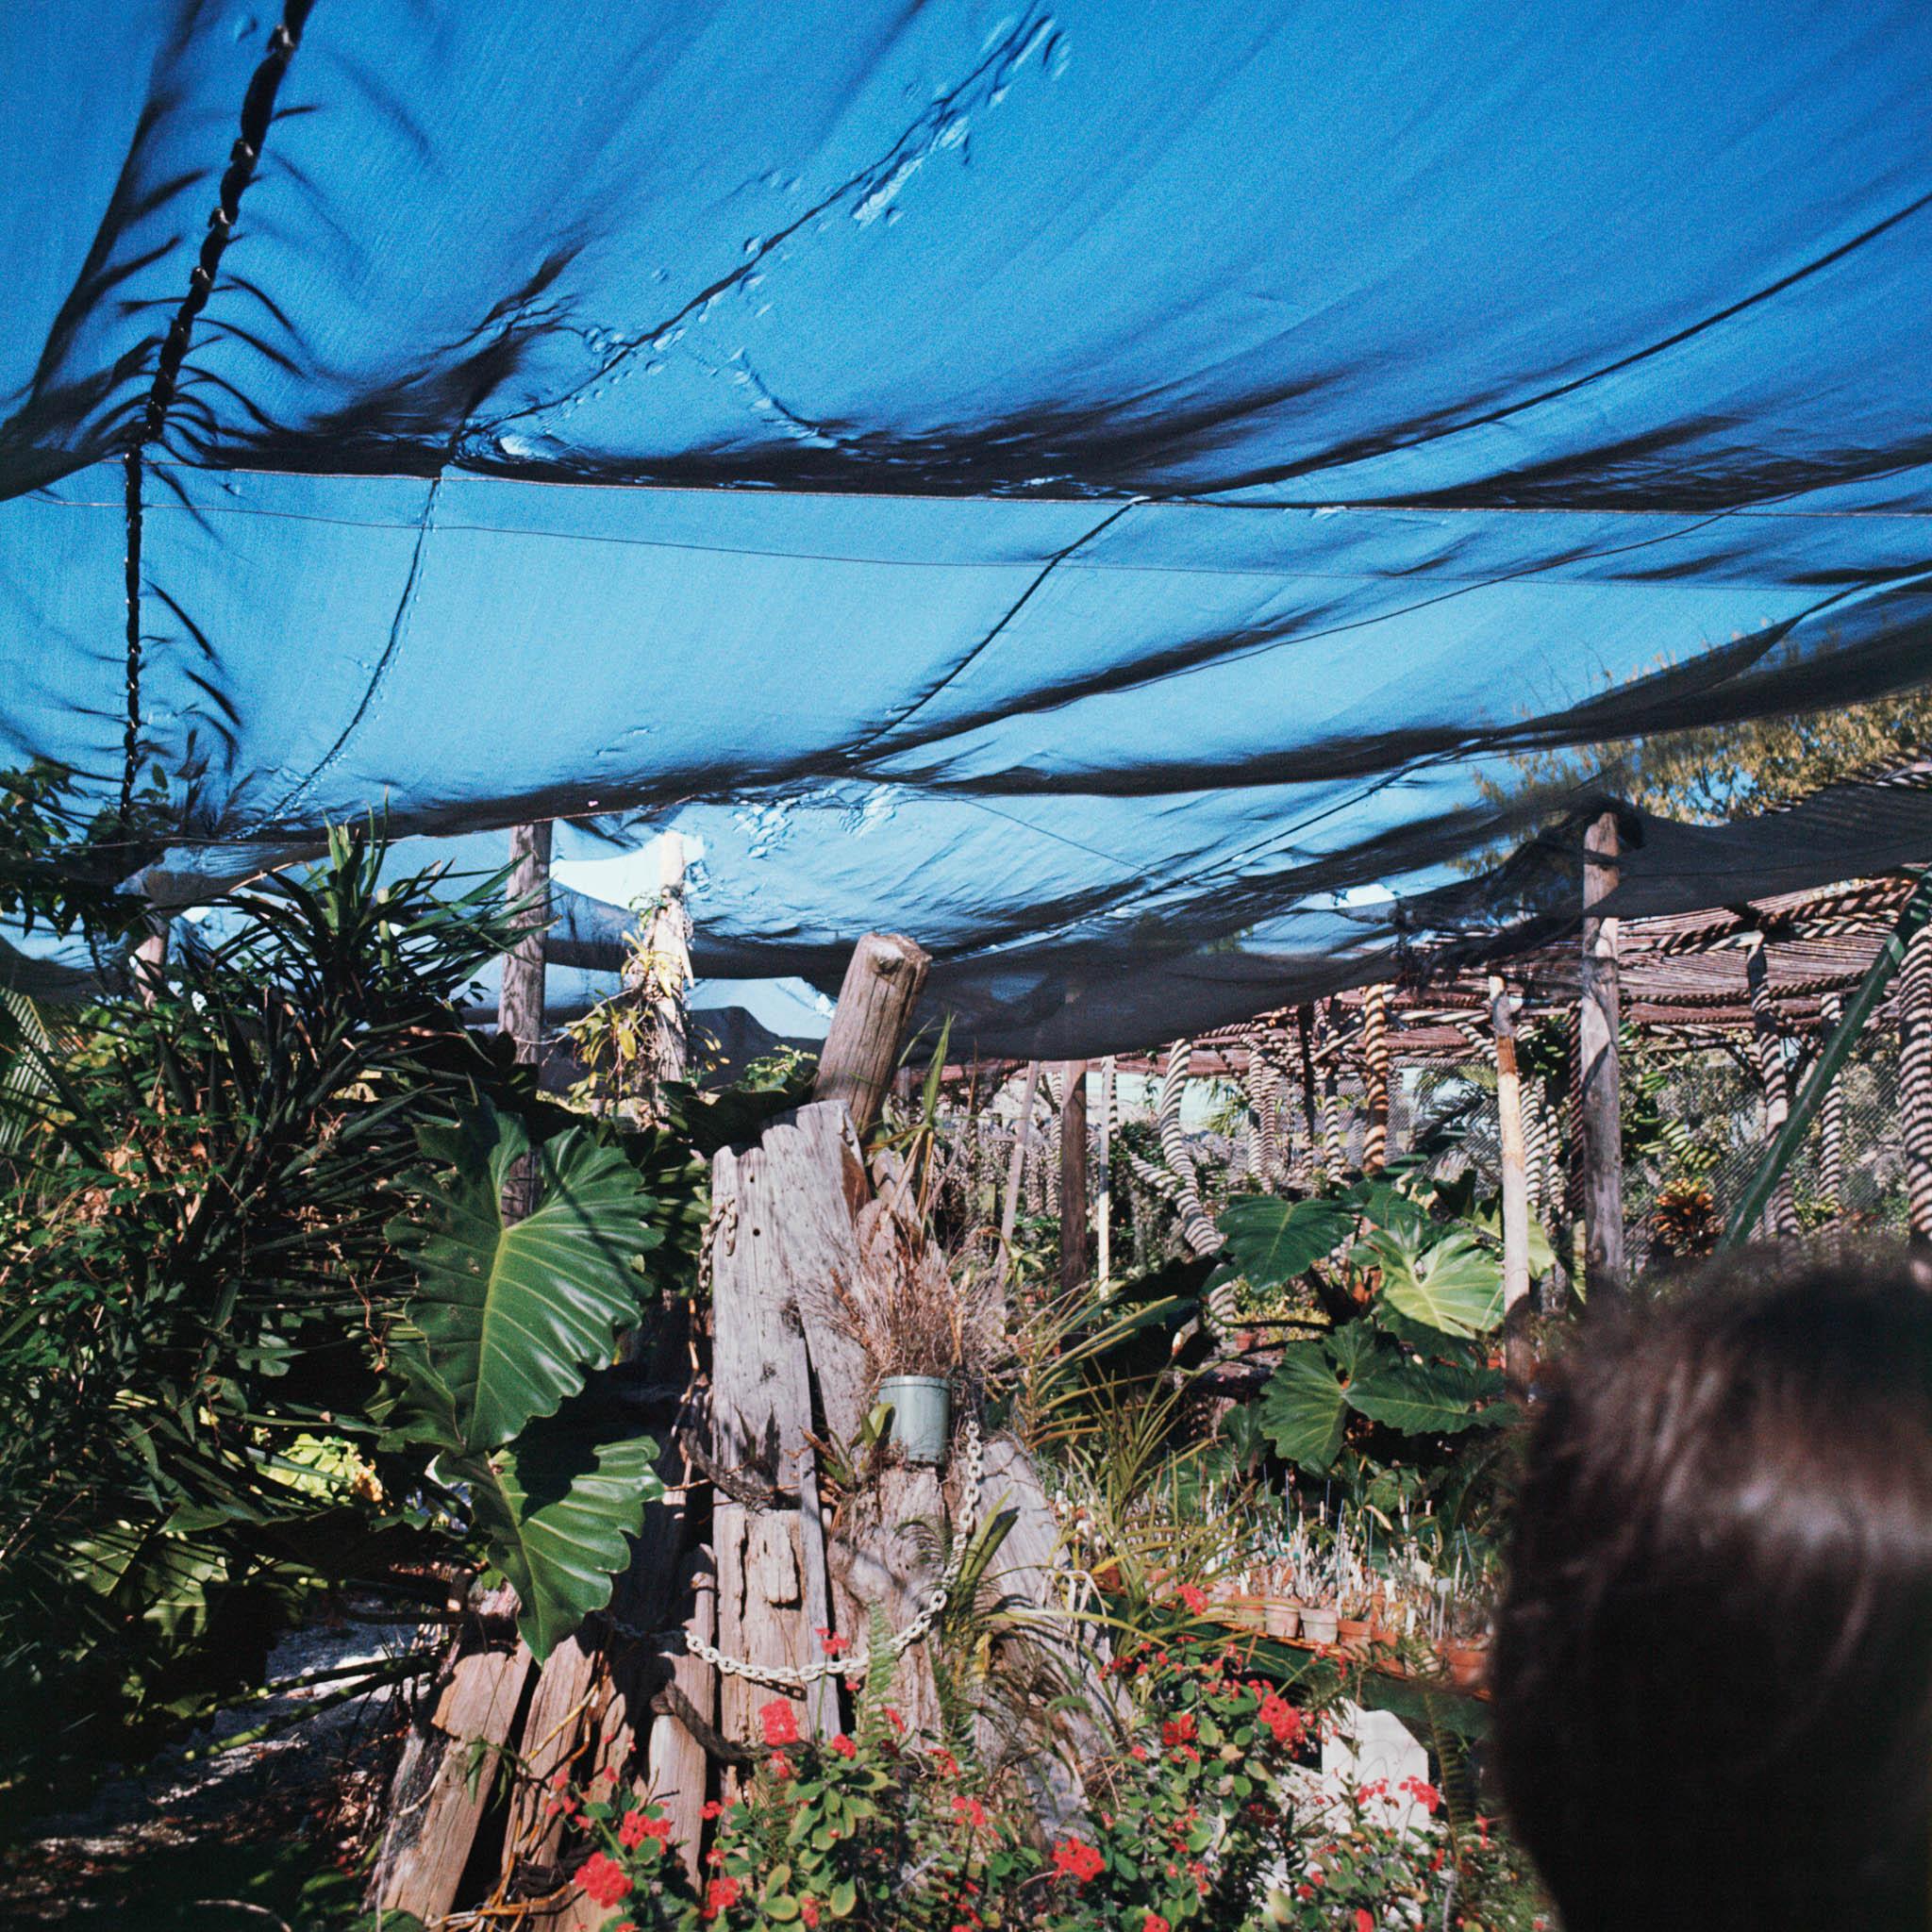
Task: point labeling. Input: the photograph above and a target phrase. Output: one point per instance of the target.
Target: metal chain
(932, 1605)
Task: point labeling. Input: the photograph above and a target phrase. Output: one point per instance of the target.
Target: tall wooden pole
(1781, 1215)
(1602, 1109)
(1016, 1166)
(520, 1004)
(520, 1008)
(1375, 1078)
(876, 1001)
(1516, 1305)
(1103, 1192)
(1915, 1079)
(1074, 1206)
(668, 946)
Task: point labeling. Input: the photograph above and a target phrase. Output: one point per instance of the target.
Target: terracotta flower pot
(1352, 1633)
(1468, 1663)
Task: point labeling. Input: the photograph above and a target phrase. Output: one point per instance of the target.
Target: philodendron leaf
(1425, 1398)
(508, 1317)
(558, 1508)
(1303, 1407)
(1271, 1240)
(1453, 1285)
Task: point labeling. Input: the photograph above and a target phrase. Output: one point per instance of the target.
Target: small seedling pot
(1319, 1622)
(921, 1415)
(1468, 1663)
(1284, 1616)
(1353, 1633)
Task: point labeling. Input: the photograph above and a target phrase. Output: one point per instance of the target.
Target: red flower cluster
(1077, 1860)
(844, 1746)
(603, 1879)
(636, 1827)
(780, 1721)
(972, 1810)
(1282, 1718)
(720, 1893)
(1154, 1923)
(1194, 1598)
(1179, 1730)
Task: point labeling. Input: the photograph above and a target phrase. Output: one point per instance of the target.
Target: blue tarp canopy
(1110, 490)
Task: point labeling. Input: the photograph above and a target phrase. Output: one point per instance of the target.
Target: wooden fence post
(876, 1000)
(1601, 1112)
(1074, 1206)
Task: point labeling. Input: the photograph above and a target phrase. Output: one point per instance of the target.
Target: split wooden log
(679, 1766)
(439, 1796)
(876, 1001)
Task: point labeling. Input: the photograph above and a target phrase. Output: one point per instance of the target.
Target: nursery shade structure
(1094, 487)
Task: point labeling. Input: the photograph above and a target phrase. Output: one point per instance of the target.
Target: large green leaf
(1453, 1285)
(558, 1508)
(509, 1316)
(1304, 1409)
(1424, 1398)
(1271, 1241)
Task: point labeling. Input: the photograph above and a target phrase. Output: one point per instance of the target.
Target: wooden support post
(679, 1771)
(1103, 1192)
(520, 1007)
(1831, 1119)
(667, 946)
(1601, 1112)
(1915, 1079)
(1016, 1166)
(1781, 1216)
(1516, 1304)
(520, 1001)
(1375, 1078)
(876, 1001)
(1074, 1206)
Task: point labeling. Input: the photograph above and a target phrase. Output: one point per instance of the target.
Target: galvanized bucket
(922, 1410)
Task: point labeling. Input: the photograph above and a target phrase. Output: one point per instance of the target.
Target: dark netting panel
(1108, 491)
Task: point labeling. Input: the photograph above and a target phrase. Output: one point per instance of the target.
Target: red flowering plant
(1189, 1820)
(1376, 1857)
(859, 1830)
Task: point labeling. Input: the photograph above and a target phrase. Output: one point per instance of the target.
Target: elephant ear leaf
(1303, 1409)
(508, 1316)
(1271, 1241)
(557, 1509)
(1427, 1398)
(1454, 1285)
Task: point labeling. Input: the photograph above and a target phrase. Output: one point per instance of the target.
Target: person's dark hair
(1713, 1662)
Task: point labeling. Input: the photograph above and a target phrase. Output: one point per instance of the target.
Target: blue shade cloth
(1097, 487)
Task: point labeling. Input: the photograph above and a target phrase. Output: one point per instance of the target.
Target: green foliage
(1412, 1286)
(507, 1315)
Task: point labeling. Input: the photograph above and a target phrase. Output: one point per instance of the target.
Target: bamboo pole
(1912, 918)
(1601, 1112)
(1516, 1305)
